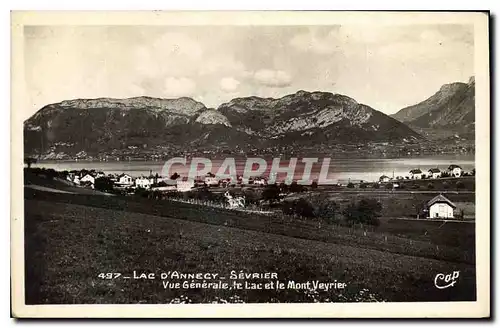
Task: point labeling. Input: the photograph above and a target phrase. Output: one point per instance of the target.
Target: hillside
(105, 125)
(453, 106)
(67, 240)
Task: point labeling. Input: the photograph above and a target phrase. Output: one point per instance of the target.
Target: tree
(446, 185)
(271, 193)
(388, 186)
(50, 174)
(460, 185)
(103, 184)
(284, 188)
(366, 211)
(29, 161)
(473, 172)
(430, 185)
(376, 186)
(350, 185)
(300, 207)
(251, 197)
(295, 187)
(362, 185)
(314, 185)
(325, 208)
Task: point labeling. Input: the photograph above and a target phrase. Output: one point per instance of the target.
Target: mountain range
(304, 118)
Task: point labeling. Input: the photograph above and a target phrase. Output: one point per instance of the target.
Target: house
(87, 178)
(384, 178)
(416, 174)
(144, 182)
(183, 186)
(455, 170)
(260, 181)
(435, 173)
(440, 207)
(125, 180)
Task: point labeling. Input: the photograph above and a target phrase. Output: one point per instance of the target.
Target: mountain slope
(329, 117)
(452, 106)
(97, 126)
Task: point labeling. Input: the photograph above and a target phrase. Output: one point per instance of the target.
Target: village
(232, 191)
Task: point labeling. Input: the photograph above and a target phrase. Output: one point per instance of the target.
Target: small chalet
(440, 207)
(384, 178)
(434, 173)
(125, 180)
(455, 170)
(416, 174)
(144, 182)
(87, 178)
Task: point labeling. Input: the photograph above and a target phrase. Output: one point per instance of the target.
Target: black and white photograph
(212, 162)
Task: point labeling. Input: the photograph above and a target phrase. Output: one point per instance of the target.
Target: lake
(339, 168)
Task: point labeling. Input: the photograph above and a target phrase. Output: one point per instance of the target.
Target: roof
(384, 176)
(416, 171)
(453, 166)
(440, 199)
(435, 170)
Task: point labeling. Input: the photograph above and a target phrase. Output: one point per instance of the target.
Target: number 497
(109, 275)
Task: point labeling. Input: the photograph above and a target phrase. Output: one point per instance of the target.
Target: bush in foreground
(300, 207)
(366, 211)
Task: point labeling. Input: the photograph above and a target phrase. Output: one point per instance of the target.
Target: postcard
(291, 164)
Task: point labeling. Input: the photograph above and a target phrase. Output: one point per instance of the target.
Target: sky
(386, 67)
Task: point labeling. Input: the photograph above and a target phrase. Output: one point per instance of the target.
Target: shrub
(295, 187)
(366, 211)
(252, 197)
(376, 185)
(51, 173)
(460, 185)
(103, 184)
(299, 207)
(314, 185)
(388, 186)
(362, 185)
(271, 193)
(141, 192)
(283, 188)
(350, 185)
(325, 208)
(446, 185)
(430, 185)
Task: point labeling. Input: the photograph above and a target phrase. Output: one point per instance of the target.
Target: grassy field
(397, 204)
(70, 239)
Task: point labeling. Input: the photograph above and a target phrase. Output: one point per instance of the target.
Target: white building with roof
(440, 207)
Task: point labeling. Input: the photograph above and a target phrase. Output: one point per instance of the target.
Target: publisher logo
(443, 281)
